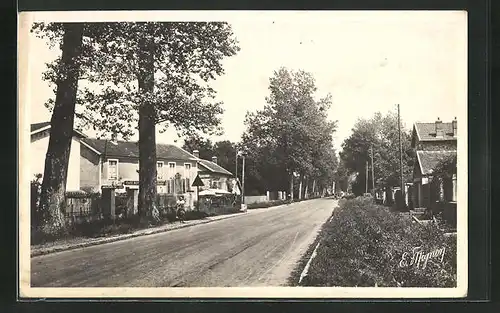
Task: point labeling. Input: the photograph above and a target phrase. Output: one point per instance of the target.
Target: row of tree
(136, 75)
(375, 138)
(290, 139)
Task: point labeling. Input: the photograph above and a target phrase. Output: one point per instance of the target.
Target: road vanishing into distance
(257, 248)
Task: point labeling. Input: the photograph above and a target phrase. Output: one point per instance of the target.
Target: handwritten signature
(419, 258)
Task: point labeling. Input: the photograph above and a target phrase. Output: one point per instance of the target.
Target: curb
(122, 237)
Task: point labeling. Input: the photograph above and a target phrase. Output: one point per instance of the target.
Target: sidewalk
(81, 242)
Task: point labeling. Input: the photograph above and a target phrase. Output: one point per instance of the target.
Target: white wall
(255, 199)
(38, 150)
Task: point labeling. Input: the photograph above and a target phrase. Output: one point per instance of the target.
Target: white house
(40, 134)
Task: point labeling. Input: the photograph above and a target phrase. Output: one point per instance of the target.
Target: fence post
(108, 202)
(132, 201)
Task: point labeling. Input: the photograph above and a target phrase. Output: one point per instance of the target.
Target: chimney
(214, 159)
(454, 124)
(114, 138)
(196, 153)
(439, 128)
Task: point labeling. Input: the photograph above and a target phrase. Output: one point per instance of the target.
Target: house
(112, 162)
(213, 175)
(432, 143)
(40, 135)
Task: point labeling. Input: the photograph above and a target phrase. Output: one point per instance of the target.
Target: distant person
(181, 212)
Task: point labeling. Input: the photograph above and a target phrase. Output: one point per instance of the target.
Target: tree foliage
(380, 133)
(187, 56)
(224, 150)
(291, 134)
(145, 74)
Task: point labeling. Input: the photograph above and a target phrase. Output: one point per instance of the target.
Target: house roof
(214, 168)
(38, 127)
(427, 131)
(130, 149)
(428, 160)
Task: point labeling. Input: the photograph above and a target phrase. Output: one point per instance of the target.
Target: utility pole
(236, 168)
(366, 170)
(243, 180)
(373, 172)
(401, 158)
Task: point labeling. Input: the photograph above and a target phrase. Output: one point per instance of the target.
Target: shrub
(364, 243)
(76, 194)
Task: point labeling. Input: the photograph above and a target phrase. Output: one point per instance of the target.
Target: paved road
(259, 248)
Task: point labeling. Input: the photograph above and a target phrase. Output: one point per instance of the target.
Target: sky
(368, 61)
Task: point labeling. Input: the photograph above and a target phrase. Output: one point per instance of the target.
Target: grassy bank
(366, 245)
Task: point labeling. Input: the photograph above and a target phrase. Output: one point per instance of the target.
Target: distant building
(432, 143)
(111, 162)
(213, 175)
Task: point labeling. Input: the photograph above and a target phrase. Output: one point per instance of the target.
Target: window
(171, 170)
(187, 176)
(112, 169)
(159, 170)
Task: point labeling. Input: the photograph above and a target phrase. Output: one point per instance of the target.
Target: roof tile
(214, 168)
(427, 131)
(429, 159)
(131, 149)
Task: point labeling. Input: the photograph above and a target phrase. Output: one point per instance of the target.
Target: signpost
(197, 183)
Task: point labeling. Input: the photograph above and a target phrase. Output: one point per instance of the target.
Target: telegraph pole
(236, 168)
(373, 172)
(401, 157)
(366, 170)
(243, 181)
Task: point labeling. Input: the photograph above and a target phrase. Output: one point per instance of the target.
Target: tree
(380, 133)
(225, 151)
(153, 73)
(204, 146)
(290, 135)
(53, 189)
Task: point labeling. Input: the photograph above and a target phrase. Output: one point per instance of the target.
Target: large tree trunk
(55, 174)
(314, 187)
(291, 187)
(147, 132)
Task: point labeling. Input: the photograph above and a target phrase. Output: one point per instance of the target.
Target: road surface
(258, 248)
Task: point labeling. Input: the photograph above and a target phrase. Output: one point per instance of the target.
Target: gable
(427, 132)
(427, 160)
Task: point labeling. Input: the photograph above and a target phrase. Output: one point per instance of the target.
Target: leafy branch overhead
(187, 56)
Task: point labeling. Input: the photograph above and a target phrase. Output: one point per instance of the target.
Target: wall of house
(437, 145)
(219, 181)
(255, 199)
(38, 151)
(89, 168)
(128, 171)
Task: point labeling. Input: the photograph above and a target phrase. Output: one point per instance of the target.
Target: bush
(363, 246)
(76, 194)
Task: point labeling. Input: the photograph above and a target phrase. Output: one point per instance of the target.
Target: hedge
(363, 246)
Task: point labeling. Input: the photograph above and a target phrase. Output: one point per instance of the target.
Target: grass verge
(366, 245)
